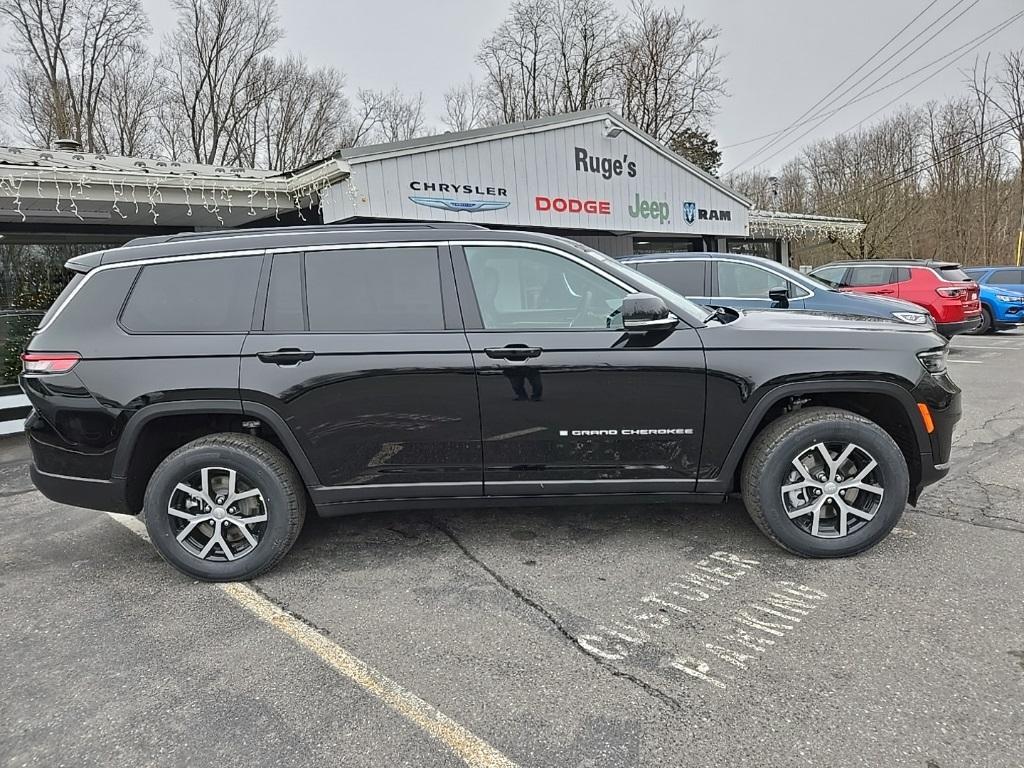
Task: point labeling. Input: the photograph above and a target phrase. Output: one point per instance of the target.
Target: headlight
(934, 361)
(914, 318)
(1010, 299)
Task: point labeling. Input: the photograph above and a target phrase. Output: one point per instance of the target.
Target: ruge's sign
(567, 176)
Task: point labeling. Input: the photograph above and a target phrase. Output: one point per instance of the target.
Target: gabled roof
(369, 153)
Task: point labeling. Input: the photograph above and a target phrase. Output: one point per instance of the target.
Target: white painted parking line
(471, 749)
(970, 362)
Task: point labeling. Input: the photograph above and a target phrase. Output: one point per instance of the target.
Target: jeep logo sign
(649, 209)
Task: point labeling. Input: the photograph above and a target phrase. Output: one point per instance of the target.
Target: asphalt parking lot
(580, 636)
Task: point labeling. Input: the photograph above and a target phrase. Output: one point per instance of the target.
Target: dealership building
(588, 175)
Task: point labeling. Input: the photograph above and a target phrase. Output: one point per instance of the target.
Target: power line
(986, 35)
(861, 93)
(842, 82)
(980, 40)
(956, 53)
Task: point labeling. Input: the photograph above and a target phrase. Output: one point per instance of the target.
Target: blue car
(752, 282)
(1002, 297)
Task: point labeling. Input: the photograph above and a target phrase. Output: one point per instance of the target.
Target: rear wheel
(225, 507)
(823, 482)
(986, 323)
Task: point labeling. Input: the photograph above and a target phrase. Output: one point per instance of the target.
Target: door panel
(376, 409)
(584, 407)
(389, 411)
(589, 408)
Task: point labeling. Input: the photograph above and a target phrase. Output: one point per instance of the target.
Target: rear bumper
(963, 326)
(106, 495)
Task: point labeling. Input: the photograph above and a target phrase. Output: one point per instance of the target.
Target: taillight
(49, 362)
(952, 293)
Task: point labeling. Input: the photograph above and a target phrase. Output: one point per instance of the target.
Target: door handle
(285, 356)
(518, 352)
(884, 292)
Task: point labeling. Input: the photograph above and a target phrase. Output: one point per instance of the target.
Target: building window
(767, 249)
(643, 245)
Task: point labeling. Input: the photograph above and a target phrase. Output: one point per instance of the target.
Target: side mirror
(779, 297)
(642, 312)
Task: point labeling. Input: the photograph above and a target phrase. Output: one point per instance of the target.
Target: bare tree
(521, 64)
(549, 56)
(128, 110)
(386, 116)
(1011, 105)
(464, 107)
(66, 49)
(304, 115)
(584, 33)
(668, 70)
(216, 78)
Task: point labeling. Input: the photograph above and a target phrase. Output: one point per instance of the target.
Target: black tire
(769, 466)
(282, 500)
(986, 323)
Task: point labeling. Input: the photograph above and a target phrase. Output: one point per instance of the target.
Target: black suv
(222, 383)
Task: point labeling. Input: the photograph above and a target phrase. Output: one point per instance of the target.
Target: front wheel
(225, 507)
(824, 482)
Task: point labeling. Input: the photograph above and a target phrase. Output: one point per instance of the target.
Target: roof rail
(402, 225)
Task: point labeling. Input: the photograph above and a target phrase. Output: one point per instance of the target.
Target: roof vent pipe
(66, 145)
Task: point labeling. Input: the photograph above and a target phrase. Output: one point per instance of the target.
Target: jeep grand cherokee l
(220, 384)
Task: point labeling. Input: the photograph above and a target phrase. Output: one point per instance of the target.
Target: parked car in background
(1002, 297)
(752, 282)
(941, 287)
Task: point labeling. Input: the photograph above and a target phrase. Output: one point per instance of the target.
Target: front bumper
(1007, 315)
(943, 399)
(949, 330)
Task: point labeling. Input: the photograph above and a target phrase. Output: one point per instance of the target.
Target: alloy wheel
(217, 514)
(833, 490)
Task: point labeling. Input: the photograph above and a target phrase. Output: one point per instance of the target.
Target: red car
(941, 287)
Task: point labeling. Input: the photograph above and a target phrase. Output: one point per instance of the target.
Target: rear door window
(871, 275)
(214, 295)
(374, 290)
(685, 277)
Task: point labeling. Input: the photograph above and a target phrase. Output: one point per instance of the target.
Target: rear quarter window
(952, 274)
(213, 295)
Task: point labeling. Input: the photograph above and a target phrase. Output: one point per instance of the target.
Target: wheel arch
(886, 403)
(155, 431)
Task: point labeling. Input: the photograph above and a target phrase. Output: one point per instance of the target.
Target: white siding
(536, 164)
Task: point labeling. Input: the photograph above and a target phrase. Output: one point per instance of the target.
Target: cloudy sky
(780, 57)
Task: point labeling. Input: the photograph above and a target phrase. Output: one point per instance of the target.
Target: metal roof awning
(48, 186)
(803, 226)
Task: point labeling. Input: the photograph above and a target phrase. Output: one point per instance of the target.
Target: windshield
(695, 313)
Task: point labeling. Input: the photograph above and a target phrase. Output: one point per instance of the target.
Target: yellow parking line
(471, 749)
